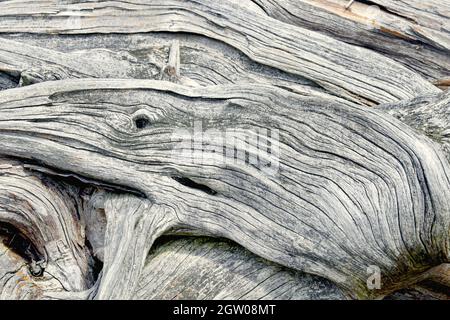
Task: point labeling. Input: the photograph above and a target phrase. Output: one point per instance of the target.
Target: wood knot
(142, 119)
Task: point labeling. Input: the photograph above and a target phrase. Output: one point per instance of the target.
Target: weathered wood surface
(226, 268)
(343, 69)
(428, 114)
(388, 193)
(206, 269)
(375, 27)
(48, 253)
(185, 268)
(107, 184)
(134, 57)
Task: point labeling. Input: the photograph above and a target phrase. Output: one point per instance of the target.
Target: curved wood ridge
(389, 193)
(48, 254)
(341, 68)
(256, 149)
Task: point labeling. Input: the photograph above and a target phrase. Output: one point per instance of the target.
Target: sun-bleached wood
(338, 161)
(343, 69)
(403, 37)
(43, 247)
(368, 177)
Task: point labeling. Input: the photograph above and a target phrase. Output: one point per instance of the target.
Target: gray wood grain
(43, 246)
(372, 26)
(379, 183)
(341, 68)
(37, 59)
(427, 114)
(257, 149)
(201, 268)
(184, 268)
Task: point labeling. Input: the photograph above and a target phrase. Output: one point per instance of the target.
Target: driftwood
(224, 149)
(48, 253)
(64, 125)
(343, 69)
(405, 37)
(138, 57)
(226, 272)
(171, 271)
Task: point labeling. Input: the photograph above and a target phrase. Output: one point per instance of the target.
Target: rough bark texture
(260, 149)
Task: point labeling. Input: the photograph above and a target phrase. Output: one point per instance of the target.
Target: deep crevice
(96, 264)
(17, 242)
(194, 185)
(72, 178)
(8, 80)
(435, 287)
(141, 122)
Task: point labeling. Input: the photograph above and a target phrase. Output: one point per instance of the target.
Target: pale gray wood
(133, 225)
(189, 268)
(355, 187)
(428, 114)
(43, 246)
(196, 268)
(348, 174)
(372, 26)
(36, 64)
(32, 60)
(343, 69)
(432, 14)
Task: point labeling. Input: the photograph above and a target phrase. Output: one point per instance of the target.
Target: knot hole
(141, 121)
